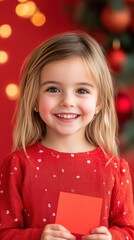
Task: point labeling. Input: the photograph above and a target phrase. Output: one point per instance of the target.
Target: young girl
(65, 141)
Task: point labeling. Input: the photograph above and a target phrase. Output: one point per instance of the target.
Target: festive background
(111, 23)
(25, 24)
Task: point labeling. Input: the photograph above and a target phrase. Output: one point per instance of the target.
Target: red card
(78, 213)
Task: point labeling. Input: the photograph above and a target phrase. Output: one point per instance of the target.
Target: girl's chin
(64, 132)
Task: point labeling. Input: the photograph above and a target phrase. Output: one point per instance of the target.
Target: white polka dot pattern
(34, 182)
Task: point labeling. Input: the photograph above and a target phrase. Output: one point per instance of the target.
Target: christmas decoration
(123, 107)
(116, 57)
(111, 23)
(115, 20)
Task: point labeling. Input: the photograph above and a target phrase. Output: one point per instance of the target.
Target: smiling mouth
(67, 116)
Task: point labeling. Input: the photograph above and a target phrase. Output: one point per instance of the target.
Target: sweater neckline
(50, 150)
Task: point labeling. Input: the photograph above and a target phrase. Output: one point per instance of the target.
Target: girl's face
(67, 98)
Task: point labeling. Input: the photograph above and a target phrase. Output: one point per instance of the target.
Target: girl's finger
(96, 237)
(101, 230)
(61, 235)
(57, 227)
(57, 231)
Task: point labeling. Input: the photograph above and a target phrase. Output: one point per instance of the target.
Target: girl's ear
(98, 108)
(35, 109)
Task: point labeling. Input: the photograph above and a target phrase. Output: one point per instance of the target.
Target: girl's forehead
(74, 68)
(75, 62)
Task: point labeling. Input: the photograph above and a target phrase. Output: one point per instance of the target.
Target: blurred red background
(25, 36)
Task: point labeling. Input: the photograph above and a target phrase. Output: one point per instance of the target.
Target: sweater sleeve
(121, 217)
(12, 224)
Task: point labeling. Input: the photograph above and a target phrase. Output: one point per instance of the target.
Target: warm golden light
(5, 31)
(3, 57)
(12, 91)
(22, 1)
(116, 44)
(25, 10)
(38, 19)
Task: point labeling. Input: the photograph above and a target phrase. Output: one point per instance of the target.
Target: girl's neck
(69, 144)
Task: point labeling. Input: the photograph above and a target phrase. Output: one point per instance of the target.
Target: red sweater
(30, 187)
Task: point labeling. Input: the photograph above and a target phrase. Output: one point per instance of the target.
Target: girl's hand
(56, 232)
(100, 233)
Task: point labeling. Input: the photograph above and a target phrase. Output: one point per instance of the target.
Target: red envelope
(78, 213)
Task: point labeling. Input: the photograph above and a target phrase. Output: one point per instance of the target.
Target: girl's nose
(67, 101)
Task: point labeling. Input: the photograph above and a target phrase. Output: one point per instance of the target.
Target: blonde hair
(29, 127)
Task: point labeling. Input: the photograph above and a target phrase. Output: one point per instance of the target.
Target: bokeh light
(38, 19)
(12, 91)
(5, 31)
(25, 10)
(22, 1)
(3, 57)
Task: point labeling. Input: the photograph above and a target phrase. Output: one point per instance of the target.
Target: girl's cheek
(89, 109)
(45, 106)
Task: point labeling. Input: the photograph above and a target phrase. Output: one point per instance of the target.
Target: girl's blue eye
(82, 91)
(52, 89)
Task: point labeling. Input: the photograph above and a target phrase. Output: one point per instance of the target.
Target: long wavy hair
(29, 127)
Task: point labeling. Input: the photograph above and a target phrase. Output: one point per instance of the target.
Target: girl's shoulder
(11, 161)
(19, 156)
(117, 164)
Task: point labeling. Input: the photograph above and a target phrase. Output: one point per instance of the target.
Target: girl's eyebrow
(86, 84)
(49, 82)
(77, 84)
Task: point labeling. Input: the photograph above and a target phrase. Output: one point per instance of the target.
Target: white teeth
(67, 116)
